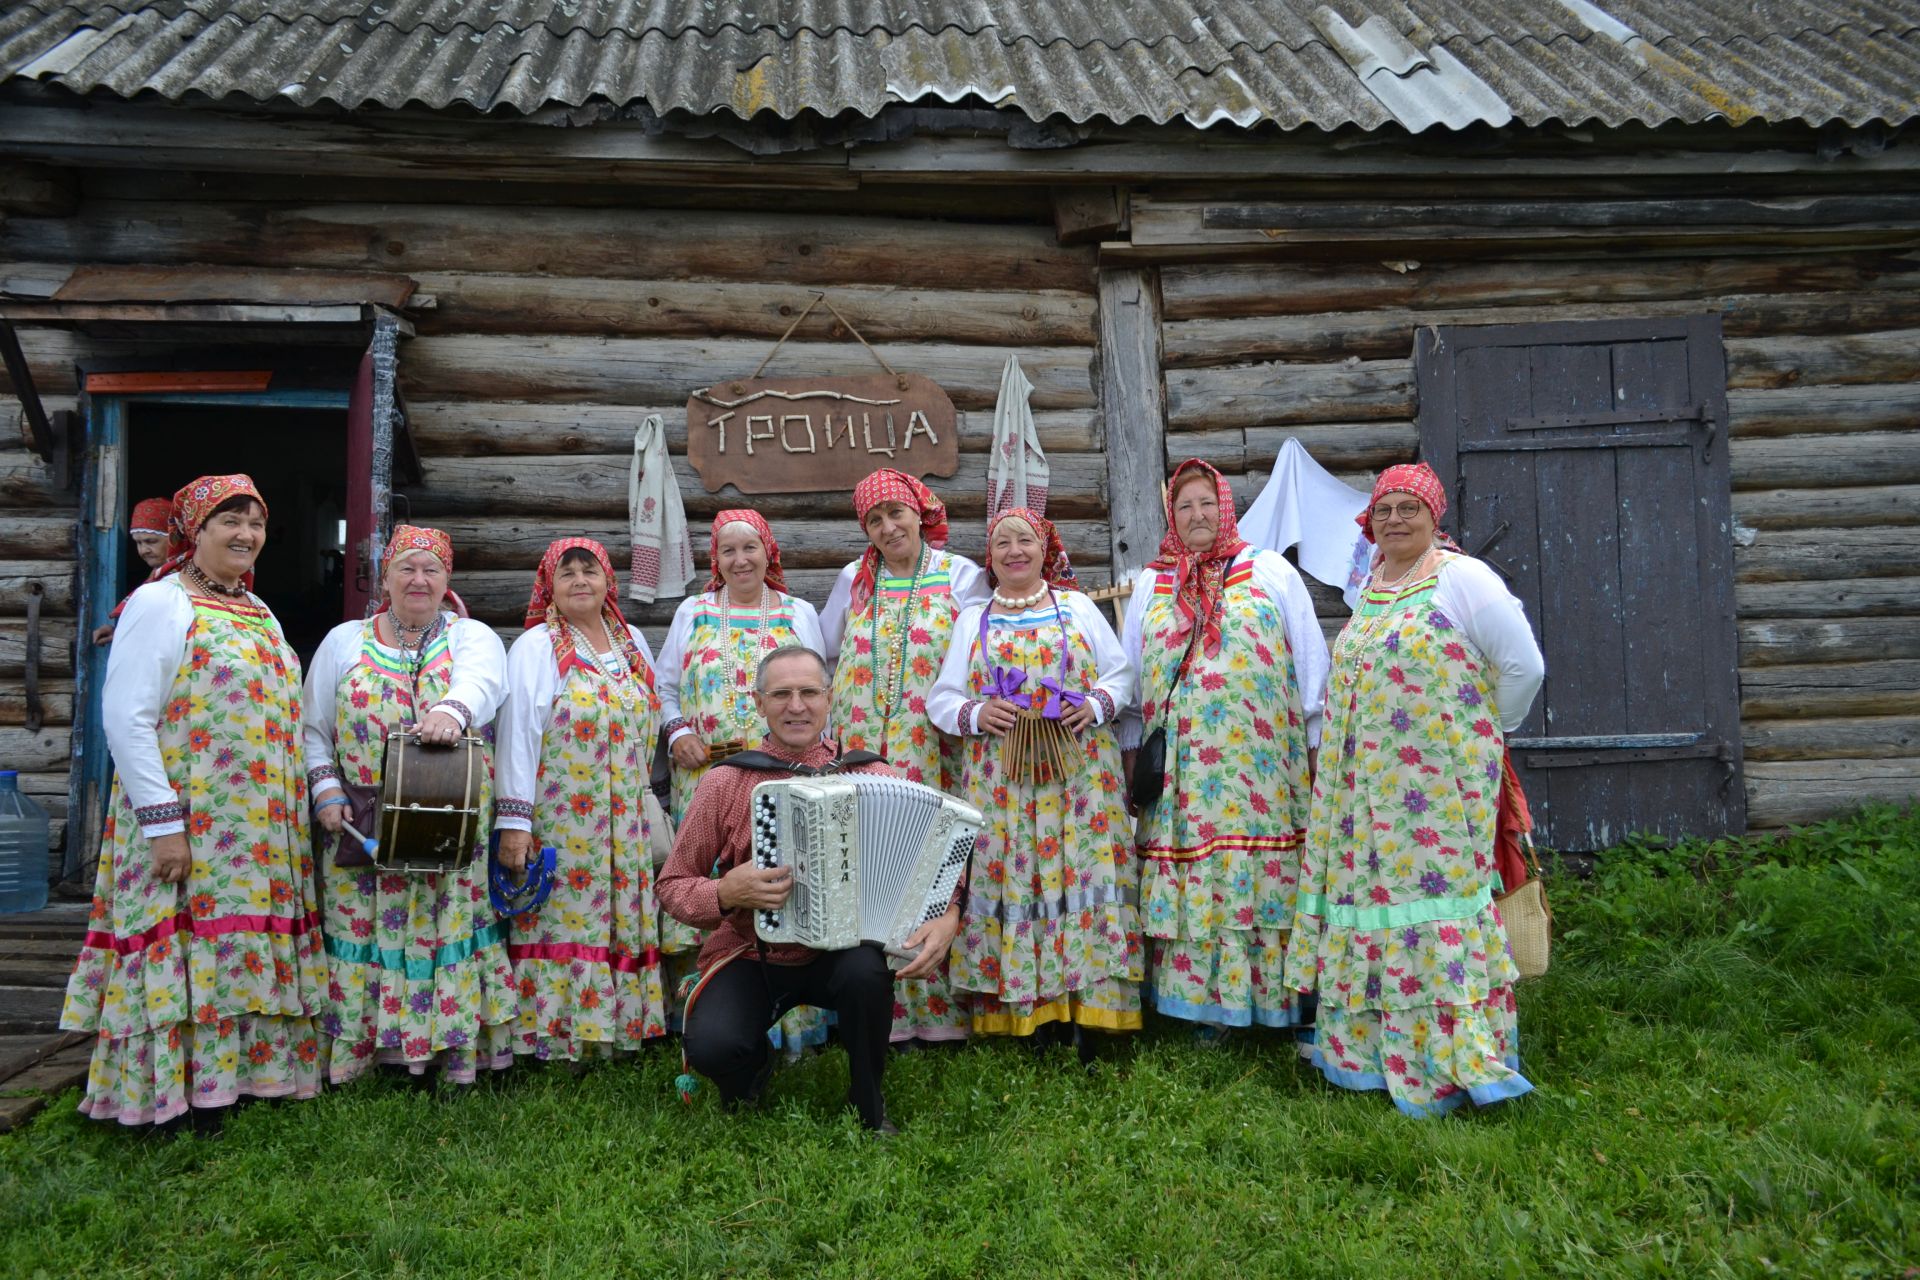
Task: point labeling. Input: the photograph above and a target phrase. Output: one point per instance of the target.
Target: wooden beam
(1840, 738)
(1831, 689)
(1086, 215)
(1787, 792)
(477, 302)
(1133, 407)
(465, 428)
(38, 190)
(1768, 642)
(663, 370)
(1803, 211)
(149, 135)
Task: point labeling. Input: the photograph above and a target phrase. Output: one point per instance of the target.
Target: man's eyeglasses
(1405, 510)
(805, 693)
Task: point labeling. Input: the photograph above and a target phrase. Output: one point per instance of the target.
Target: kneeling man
(746, 986)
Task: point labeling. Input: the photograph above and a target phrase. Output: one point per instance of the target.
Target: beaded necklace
(739, 673)
(198, 576)
(612, 666)
(893, 629)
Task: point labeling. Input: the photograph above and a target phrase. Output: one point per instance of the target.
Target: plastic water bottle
(23, 848)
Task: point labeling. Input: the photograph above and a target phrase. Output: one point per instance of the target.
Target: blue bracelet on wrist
(318, 805)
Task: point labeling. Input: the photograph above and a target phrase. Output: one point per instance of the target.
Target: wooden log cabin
(1639, 280)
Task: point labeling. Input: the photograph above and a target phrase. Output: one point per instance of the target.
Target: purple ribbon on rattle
(1005, 682)
(1062, 699)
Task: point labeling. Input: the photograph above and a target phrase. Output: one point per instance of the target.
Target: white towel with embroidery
(656, 519)
(1304, 503)
(1017, 471)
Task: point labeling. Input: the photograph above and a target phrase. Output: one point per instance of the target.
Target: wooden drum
(430, 818)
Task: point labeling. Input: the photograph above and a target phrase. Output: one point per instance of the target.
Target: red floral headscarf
(542, 608)
(409, 538)
(1416, 478)
(1055, 568)
(888, 485)
(151, 515)
(1199, 576)
(192, 504)
(776, 576)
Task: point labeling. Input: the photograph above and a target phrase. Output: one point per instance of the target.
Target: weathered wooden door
(1588, 464)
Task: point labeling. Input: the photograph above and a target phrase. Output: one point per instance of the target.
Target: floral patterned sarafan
(418, 969)
(1394, 925)
(924, 1009)
(588, 960)
(1050, 930)
(1220, 849)
(205, 991)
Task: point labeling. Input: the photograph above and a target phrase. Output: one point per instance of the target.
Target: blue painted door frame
(103, 547)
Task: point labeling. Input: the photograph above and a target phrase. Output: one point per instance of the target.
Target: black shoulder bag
(1149, 780)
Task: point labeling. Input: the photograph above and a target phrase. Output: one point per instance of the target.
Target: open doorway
(297, 457)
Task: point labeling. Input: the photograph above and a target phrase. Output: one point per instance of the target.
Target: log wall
(556, 329)
(1823, 366)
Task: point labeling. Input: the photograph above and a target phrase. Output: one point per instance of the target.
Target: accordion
(873, 857)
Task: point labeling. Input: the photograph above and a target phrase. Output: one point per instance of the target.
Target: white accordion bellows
(873, 857)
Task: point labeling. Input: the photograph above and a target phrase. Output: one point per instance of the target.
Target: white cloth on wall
(1017, 470)
(1304, 504)
(479, 682)
(662, 563)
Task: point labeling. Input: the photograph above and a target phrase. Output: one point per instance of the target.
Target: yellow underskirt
(1065, 1009)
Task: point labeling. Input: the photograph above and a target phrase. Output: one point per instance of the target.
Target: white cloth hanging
(1303, 503)
(662, 564)
(1017, 471)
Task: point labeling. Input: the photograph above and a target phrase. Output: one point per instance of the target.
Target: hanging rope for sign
(820, 299)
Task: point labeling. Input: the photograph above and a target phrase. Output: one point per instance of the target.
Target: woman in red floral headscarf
(707, 667)
(1049, 936)
(150, 527)
(1234, 668)
(575, 745)
(418, 963)
(201, 971)
(888, 622)
(1394, 927)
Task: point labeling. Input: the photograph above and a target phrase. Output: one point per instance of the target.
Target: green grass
(1727, 1053)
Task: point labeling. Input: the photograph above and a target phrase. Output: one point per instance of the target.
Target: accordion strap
(764, 762)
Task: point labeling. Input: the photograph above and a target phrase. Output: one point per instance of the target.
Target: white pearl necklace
(1021, 602)
(612, 666)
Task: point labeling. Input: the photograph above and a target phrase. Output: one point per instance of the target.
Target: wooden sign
(801, 435)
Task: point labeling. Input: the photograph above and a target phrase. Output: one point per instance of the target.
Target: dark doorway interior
(298, 458)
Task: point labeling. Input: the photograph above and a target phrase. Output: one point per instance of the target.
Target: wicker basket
(1529, 921)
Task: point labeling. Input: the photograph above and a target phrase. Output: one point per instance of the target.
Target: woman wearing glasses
(1394, 926)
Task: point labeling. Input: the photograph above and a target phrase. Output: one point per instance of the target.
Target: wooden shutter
(371, 415)
(1588, 464)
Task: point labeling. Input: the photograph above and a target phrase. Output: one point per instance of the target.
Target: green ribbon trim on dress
(417, 970)
(1394, 914)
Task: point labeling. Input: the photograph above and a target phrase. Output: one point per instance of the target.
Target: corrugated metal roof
(1366, 63)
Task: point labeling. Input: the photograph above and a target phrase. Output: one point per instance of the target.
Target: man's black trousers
(726, 1032)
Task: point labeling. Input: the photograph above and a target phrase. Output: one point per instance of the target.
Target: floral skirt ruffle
(151, 1077)
(1429, 1060)
(574, 1008)
(928, 1009)
(1231, 979)
(418, 977)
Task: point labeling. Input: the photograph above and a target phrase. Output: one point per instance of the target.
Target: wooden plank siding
(1823, 354)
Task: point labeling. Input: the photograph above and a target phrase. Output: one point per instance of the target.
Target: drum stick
(371, 847)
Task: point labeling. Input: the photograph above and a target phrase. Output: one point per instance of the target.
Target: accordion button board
(873, 857)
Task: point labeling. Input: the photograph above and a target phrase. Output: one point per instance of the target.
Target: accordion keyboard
(873, 857)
